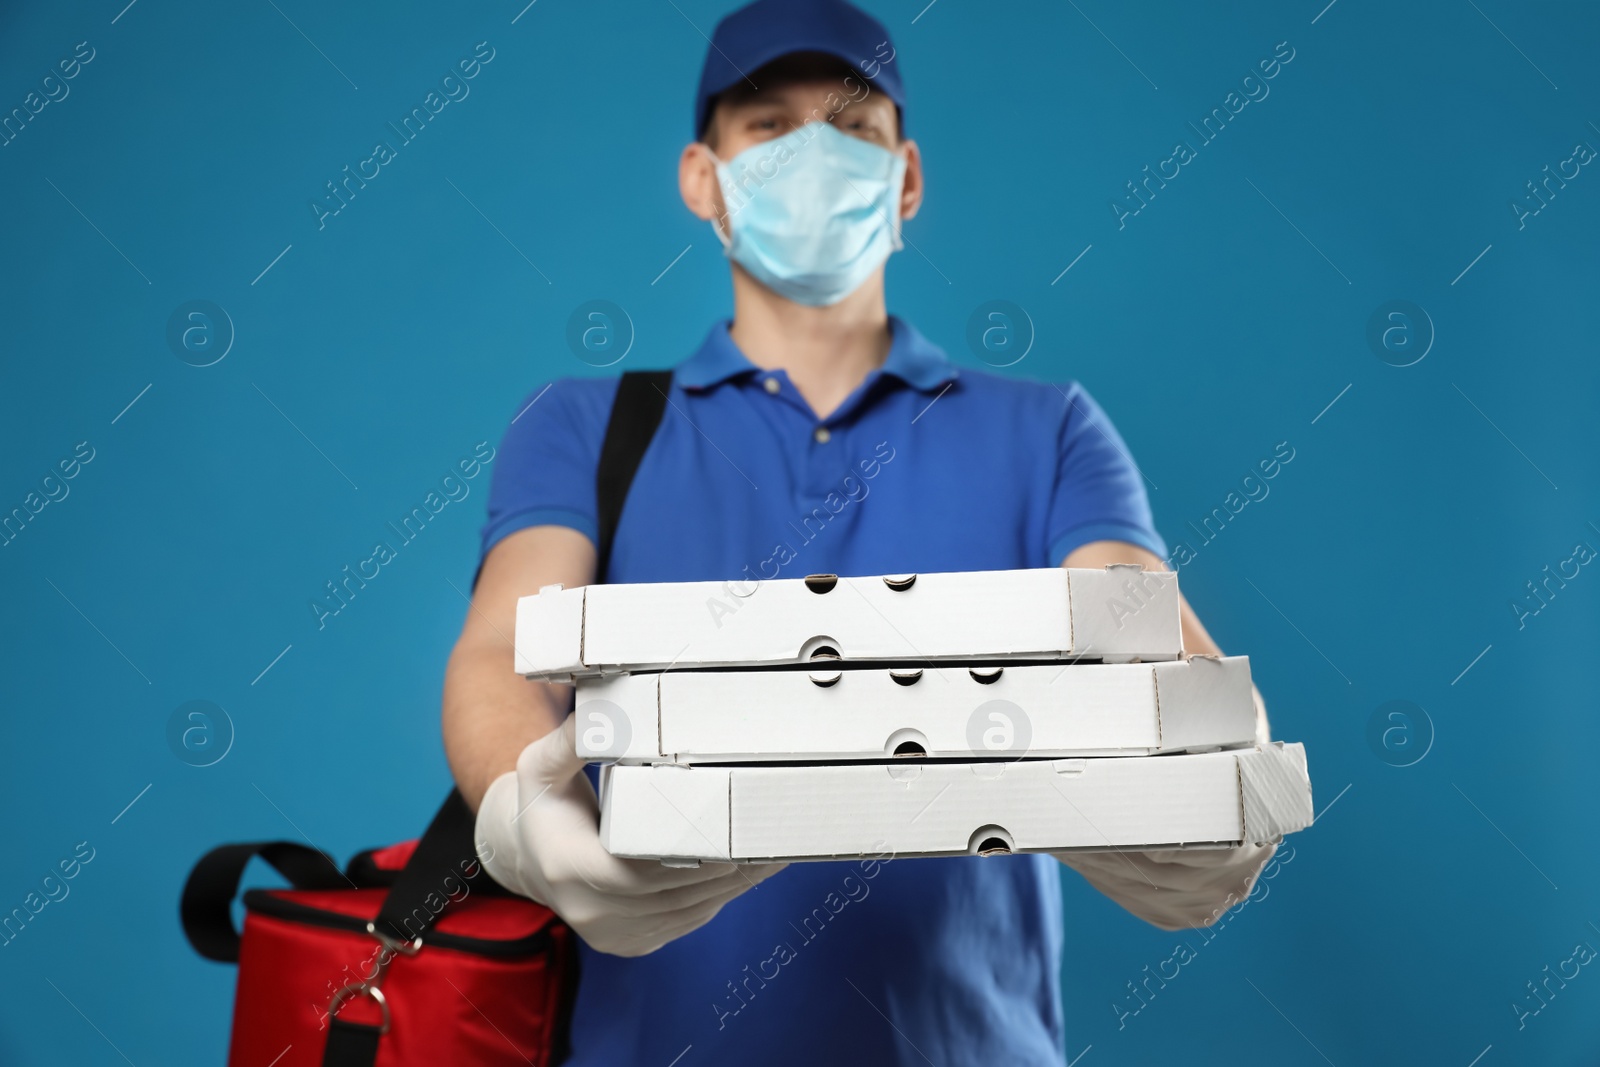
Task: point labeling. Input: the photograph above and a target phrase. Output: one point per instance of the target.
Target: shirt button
(771, 385)
(821, 435)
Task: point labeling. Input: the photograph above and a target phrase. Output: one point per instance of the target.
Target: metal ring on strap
(358, 988)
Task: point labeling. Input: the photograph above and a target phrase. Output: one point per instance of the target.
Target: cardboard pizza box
(1119, 614)
(767, 812)
(834, 712)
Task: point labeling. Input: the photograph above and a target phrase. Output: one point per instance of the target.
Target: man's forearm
(491, 714)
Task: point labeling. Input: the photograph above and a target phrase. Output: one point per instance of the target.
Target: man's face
(739, 121)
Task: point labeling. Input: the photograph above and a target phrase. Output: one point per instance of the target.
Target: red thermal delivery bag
(412, 957)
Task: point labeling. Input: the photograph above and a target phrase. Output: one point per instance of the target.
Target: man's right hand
(538, 834)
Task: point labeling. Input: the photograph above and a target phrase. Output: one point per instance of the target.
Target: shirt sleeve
(1099, 490)
(544, 473)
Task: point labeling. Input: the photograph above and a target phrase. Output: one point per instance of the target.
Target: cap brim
(788, 48)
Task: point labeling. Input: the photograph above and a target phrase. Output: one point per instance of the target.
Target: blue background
(1221, 320)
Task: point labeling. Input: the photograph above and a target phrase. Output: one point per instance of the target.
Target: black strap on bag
(635, 416)
(446, 849)
(351, 1044)
(214, 882)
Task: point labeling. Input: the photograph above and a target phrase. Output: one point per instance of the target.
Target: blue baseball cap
(758, 33)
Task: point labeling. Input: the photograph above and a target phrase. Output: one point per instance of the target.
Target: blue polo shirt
(923, 468)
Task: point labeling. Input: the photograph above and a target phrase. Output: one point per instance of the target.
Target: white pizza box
(684, 815)
(1119, 614)
(874, 713)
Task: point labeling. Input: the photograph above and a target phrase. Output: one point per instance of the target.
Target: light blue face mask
(812, 213)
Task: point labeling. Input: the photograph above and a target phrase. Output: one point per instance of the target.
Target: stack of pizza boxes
(918, 714)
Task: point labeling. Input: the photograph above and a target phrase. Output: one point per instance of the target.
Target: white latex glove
(1175, 889)
(538, 834)
(1179, 889)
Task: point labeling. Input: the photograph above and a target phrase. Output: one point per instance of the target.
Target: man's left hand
(1175, 889)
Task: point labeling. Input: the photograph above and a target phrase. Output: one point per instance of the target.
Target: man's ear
(911, 190)
(697, 182)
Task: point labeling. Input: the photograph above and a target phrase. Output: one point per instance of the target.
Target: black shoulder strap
(635, 415)
(445, 855)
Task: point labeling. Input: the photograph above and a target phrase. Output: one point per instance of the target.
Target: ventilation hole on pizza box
(990, 841)
(821, 583)
(906, 744)
(820, 646)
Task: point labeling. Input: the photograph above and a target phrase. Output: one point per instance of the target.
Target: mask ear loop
(721, 171)
(899, 184)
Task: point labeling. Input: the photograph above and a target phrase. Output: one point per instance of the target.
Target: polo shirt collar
(912, 358)
(717, 360)
(916, 360)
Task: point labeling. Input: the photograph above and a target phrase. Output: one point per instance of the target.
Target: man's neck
(827, 351)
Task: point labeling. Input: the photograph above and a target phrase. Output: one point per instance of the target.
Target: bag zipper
(268, 902)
